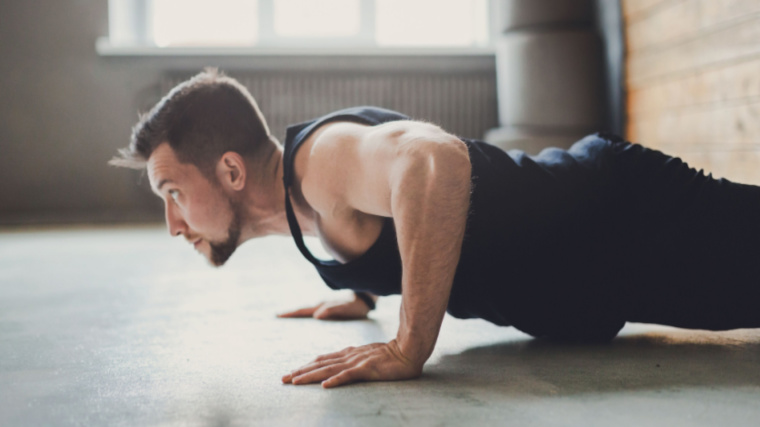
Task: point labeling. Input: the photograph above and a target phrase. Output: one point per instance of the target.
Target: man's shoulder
(347, 166)
(344, 145)
(328, 155)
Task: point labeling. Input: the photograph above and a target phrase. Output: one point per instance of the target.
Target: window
(299, 23)
(193, 23)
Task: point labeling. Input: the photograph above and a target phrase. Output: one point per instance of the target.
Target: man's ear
(230, 171)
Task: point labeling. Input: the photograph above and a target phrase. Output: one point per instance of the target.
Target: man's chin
(220, 255)
(220, 252)
(215, 262)
(213, 259)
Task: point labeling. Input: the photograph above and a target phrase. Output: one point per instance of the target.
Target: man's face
(195, 207)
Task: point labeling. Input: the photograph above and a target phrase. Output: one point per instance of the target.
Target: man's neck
(264, 209)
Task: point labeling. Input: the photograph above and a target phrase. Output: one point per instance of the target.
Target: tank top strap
(295, 229)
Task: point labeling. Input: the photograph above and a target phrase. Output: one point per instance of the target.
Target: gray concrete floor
(126, 326)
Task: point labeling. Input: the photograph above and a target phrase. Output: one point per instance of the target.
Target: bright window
(324, 18)
(299, 23)
(430, 23)
(194, 23)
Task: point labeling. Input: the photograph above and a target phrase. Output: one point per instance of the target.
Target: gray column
(550, 73)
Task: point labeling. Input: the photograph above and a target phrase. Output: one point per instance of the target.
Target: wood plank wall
(693, 82)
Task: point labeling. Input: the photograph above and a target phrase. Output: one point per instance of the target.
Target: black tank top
(533, 222)
(378, 270)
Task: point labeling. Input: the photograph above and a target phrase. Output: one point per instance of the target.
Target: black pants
(684, 252)
(696, 243)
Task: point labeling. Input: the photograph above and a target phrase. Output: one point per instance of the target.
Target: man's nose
(174, 221)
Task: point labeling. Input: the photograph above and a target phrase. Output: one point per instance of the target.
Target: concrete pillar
(550, 73)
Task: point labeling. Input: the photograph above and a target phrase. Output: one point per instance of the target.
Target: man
(567, 244)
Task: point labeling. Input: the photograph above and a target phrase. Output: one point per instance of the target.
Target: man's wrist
(414, 346)
(366, 298)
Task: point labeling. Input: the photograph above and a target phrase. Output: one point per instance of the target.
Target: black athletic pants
(686, 251)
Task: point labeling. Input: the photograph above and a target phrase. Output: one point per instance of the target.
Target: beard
(222, 251)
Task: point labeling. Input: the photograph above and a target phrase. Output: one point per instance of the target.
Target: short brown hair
(201, 119)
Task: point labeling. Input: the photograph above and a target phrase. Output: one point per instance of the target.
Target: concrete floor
(126, 326)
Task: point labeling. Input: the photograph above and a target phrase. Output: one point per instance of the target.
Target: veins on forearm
(432, 210)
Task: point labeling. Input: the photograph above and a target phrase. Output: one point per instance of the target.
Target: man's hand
(333, 310)
(372, 362)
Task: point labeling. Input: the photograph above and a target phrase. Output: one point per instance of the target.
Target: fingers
(331, 373)
(347, 376)
(345, 352)
(307, 370)
(345, 311)
(338, 310)
(325, 312)
(319, 374)
(302, 312)
(372, 362)
(324, 360)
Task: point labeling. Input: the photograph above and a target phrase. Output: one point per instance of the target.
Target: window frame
(130, 34)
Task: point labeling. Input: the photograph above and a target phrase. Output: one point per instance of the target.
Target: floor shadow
(648, 361)
(523, 377)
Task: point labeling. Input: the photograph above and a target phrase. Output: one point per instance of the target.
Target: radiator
(463, 103)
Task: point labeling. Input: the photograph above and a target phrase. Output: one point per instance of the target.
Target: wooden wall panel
(633, 10)
(693, 82)
(732, 82)
(705, 50)
(680, 20)
(729, 127)
(675, 21)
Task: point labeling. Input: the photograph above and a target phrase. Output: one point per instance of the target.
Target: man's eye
(173, 194)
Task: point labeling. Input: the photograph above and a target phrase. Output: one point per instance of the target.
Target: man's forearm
(430, 206)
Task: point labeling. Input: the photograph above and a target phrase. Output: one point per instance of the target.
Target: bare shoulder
(349, 164)
(331, 151)
(387, 134)
(353, 145)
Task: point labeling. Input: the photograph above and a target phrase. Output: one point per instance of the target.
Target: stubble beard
(221, 252)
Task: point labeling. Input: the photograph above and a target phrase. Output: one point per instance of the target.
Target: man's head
(200, 143)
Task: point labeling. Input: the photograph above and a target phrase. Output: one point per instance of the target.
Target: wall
(66, 110)
(693, 81)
